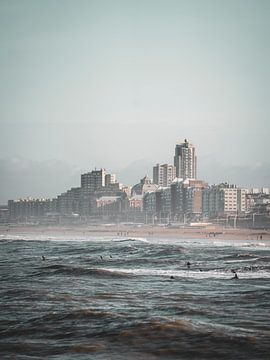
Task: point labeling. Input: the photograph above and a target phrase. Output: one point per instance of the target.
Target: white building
(163, 175)
(224, 199)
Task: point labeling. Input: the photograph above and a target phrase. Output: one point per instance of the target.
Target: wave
(256, 244)
(169, 339)
(54, 238)
(131, 239)
(242, 260)
(78, 271)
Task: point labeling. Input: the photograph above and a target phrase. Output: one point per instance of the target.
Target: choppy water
(105, 298)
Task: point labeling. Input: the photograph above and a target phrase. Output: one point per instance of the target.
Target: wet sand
(145, 231)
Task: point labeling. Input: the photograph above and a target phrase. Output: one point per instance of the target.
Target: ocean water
(123, 298)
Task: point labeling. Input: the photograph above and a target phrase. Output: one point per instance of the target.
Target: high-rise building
(93, 180)
(185, 160)
(110, 179)
(163, 175)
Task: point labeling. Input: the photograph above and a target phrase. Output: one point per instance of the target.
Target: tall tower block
(185, 160)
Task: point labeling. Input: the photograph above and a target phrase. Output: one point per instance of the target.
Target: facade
(136, 203)
(163, 175)
(150, 205)
(110, 179)
(144, 186)
(181, 201)
(223, 199)
(27, 209)
(193, 198)
(108, 206)
(185, 161)
(94, 180)
(70, 202)
(163, 204)
(4, 214)
(177, 199)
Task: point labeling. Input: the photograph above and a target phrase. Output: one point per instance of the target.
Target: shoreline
(212, 232)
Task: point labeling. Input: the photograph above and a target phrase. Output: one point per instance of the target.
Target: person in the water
(188, 264)
(235, 274)
(43, 257)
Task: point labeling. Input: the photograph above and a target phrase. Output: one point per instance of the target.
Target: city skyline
(163, 175)
(64, 186)
(117, 84)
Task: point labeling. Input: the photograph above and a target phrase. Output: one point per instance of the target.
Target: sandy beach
(136, 231)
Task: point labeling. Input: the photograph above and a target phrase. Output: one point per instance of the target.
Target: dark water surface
(77, 305)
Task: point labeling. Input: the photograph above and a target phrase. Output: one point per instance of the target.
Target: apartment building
(185, 160)
(163, 175)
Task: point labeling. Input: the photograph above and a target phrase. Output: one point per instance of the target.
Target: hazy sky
(105, 83)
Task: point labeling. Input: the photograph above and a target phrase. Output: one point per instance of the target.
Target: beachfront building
(93, 180)
(177, 199)
(69, 201)
(136, 203)
(149, 206)
(223, 200)
(181, 201)
(29, 209)
(4, 214)
(144, 186)
(163, 204)
(110, 179)
(193, 198)
(108, 207)
(185, 160)
(163, 175)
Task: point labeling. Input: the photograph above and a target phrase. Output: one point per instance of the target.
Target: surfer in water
(188, 264)
(43, 258)
(235, 275)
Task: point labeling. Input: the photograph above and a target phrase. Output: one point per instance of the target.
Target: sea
(101, 298)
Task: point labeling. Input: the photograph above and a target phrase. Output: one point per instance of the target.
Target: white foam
(214, 274)
(243, 260)
(60, 238)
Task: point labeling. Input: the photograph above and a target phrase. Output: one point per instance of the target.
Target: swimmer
(235, 274)
(43, 258)
(172, 277)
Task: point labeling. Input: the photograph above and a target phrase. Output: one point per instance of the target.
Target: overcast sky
(107, 83)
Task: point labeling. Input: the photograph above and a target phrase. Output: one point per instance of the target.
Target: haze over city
(116, 84)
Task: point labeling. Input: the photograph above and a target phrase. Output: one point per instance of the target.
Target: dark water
(77, 305)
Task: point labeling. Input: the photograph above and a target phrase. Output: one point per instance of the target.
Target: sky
(116, 84)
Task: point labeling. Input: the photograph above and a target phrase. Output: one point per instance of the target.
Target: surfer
(235, 275)
(43, 258)
(172, 277)
(188, 264)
